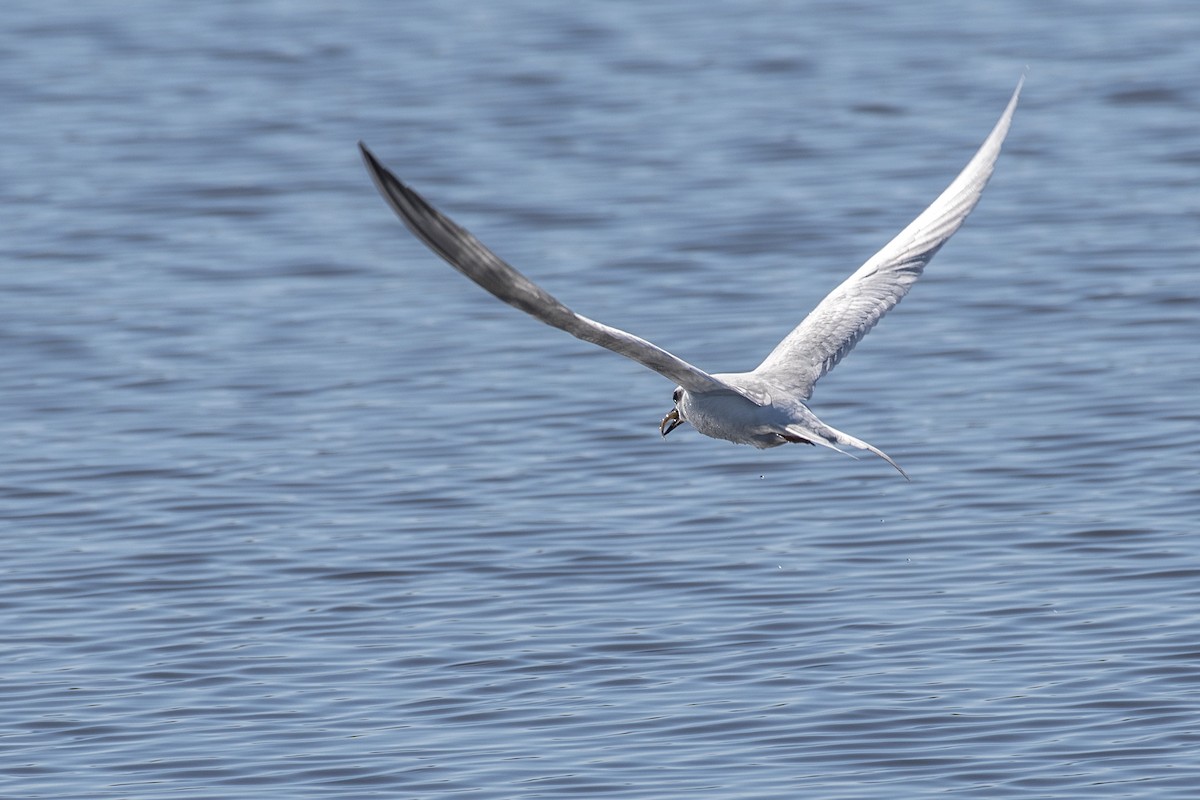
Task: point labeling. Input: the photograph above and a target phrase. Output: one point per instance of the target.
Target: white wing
(852, 309)
(470, 257)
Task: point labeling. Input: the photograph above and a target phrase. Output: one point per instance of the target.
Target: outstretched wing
(470, 257)
(852, 309)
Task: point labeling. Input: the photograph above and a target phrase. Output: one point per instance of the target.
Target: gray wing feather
(469, 256)
(837, 324)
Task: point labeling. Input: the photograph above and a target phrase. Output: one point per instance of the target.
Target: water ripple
(292, 510)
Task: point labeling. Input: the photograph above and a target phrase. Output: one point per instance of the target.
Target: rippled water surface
(290, 509)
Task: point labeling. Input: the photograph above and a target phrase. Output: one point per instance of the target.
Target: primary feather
(845, 316)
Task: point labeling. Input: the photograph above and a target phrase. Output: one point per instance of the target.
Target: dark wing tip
(403, 199)
(391, 187)
(438, 233)
(372, 163)
(461, 250)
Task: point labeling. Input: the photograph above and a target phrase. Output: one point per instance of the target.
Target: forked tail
(828, 433)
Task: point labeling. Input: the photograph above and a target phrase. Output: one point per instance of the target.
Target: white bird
(764, 407)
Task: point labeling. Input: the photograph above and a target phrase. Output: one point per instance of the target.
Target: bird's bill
(673, 418)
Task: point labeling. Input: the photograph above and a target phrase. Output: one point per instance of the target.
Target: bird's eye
(678, 393)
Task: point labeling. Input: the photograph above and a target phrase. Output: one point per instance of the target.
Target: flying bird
(764, 407)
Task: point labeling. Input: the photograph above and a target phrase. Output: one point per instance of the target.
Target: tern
(764, 407)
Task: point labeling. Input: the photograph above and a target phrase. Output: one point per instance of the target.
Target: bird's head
(674, 417)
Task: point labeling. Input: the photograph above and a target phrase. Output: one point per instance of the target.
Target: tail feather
(806, 436)
(843, 438)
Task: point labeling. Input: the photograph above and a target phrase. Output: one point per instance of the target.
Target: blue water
(290, 509)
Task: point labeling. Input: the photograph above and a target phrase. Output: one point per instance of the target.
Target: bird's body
(777, 418)
(730, 416)
(764, 407)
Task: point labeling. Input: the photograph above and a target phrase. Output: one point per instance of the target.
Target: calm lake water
(290, 509)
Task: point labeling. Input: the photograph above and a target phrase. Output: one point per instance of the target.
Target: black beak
(673, 418)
